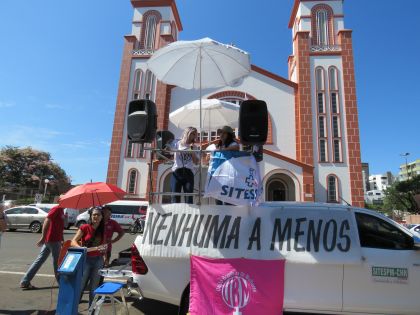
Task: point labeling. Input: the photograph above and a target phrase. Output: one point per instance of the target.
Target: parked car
(25, 217)
(383, 279)
(123, 211)
(69, 215)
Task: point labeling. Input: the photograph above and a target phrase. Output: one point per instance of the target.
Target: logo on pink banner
(236, 286)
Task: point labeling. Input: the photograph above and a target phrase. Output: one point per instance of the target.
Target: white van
(123, 211)
(339, 259)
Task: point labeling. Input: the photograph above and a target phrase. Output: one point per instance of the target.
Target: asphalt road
(17, 252)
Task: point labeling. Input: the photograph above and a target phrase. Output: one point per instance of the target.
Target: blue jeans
(182, 178)
(46, 249)
(91, 274)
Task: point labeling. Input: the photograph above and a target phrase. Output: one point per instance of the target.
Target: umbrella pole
(201, 139)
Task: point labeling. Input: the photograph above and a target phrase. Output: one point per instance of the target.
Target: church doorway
(280, 187)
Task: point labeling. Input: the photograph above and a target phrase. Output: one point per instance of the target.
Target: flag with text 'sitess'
(236, 286)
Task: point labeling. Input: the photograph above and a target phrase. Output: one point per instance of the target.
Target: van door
(388, 279)
(316, 287)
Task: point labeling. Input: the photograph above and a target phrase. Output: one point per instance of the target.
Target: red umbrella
(91, 195)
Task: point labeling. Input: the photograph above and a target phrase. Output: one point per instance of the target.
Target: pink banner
(236, 286)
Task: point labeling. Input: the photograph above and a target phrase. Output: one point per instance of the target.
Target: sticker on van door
(390, 274)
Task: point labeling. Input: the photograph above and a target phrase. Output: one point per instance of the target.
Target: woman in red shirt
(92, 237)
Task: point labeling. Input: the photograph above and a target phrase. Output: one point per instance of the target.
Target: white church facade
(313, 147)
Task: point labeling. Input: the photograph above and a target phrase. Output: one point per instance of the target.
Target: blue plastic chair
(107, 290)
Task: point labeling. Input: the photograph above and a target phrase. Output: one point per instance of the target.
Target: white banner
(234, 177)
(300, 234)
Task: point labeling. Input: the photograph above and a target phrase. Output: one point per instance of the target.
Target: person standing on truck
(92, 236)
(227, 141)
(50, 242)
(183, 168)
(111, 227)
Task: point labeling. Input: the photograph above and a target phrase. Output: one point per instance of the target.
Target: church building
(313, 147)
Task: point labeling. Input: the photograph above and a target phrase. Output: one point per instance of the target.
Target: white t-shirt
(182, 159)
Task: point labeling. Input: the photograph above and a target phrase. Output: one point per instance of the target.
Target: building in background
(381, 181)
(409, 170)
(313, 149)
(365, 177)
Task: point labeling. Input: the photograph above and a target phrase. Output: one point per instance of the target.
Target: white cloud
(6, 104)
(22, 136)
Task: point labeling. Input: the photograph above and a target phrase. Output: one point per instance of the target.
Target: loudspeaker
(142, 121)
(253, 122)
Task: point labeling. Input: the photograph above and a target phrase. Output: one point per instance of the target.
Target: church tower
(327, 129)
(155, 24)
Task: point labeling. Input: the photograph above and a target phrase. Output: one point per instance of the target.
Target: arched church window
(130, 149)
(332, 188)
(322, 27)
(335, 114)
(138, 76)
(150, 33)
(322, 115)
(149, 86)
(132, 181)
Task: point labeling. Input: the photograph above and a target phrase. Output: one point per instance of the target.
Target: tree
(28, 168)
(402, 195)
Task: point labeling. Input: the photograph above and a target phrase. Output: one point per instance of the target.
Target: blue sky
(60, 62)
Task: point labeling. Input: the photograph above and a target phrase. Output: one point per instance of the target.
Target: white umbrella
(215, 114)
(200, 64)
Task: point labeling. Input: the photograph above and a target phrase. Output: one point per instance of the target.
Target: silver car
(25, 217)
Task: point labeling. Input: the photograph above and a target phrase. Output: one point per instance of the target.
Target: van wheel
(80, 223)
(35, 227)
(185, 302)
(12, 230)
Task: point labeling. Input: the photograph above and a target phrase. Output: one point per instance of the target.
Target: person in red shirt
(111, 227)
(50, 242)
(92, 237)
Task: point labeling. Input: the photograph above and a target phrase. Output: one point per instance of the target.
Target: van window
(121, 209)
(377, 233)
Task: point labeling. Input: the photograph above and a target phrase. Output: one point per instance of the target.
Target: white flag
(234, 177)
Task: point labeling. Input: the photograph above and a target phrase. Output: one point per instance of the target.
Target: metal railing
(325, 48)
(143, 52)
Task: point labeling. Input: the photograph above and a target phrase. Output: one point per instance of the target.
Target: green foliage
(26, 167)
(401, 195)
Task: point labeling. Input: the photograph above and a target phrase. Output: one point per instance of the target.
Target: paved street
(17, 252)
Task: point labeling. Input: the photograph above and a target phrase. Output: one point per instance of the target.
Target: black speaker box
(253, 122)
(142, 121)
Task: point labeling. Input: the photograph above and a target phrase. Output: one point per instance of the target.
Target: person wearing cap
(227, 141)
(50, 242)
(111, 227)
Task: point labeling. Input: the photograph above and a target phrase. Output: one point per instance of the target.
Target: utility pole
(406, 163)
